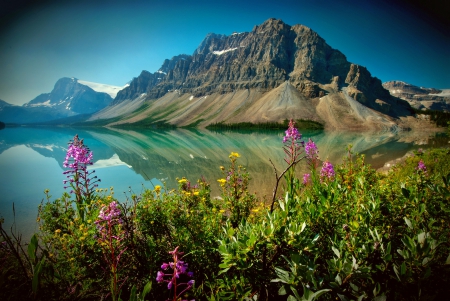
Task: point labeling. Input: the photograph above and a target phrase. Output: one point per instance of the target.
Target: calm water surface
(130, 160)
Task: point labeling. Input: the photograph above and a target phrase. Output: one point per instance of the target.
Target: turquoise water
(131, 160)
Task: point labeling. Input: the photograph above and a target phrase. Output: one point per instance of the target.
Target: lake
(130, 160)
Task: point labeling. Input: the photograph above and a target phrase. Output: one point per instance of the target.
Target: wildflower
(235, 155)
(179, 268)
(157, 188)
(421, 167)
(292, 133)
(222, 182)
(327, 170)
(182, 181)
(306, 178)
(293, 142)
(311, 150)
(222, 168)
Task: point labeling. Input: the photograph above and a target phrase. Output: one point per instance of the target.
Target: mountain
(69, 97)
(419, 97)
(272, 73)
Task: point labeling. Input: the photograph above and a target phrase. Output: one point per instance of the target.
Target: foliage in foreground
(341, 232)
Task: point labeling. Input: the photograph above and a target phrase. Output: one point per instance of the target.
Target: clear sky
(112, 41)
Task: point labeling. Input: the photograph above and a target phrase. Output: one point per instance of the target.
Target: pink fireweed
(312, 153)
(327, 171)
(109, 225)
(179, 268)
(82, 181)
(306, 178)
(292, 143)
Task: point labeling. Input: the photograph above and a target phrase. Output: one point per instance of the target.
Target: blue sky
(111, 42)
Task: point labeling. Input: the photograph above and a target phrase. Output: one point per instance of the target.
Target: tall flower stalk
(293, 149)
(173, 279)
(81, 181)
(110, 238)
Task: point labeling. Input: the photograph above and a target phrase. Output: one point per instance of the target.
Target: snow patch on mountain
(108, 89)
(224, 51)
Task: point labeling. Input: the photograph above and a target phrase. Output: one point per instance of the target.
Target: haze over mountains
(273, 73)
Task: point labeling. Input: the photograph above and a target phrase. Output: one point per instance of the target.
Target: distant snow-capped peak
(108, 89)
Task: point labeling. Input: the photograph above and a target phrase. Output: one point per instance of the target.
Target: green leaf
(282, 290)
(32, 247)
(421, 237)
(282, 275)
(336, 251)
(291, 298)
(37, 271)
(133, 296)
(297, 295)
(303, 227)
(408, 222)
(317, 294)
(403, 268)
(396, 273)
(147, 289)
(448, 259)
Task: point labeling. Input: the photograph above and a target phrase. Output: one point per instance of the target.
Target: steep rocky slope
(274, 72)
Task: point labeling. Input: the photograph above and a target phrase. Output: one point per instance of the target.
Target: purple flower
(421, 166)
(306, 178)
(179, 268)
(293, 143)
(327, 170)
(292, 133)
(311, 150)
(159, 276)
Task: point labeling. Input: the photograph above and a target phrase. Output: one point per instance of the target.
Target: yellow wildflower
(233, 154)
(221, 211)
(196, 192)
(222, 182)
(182, 181)
(222, 168)
(57, 230)
(157, 188)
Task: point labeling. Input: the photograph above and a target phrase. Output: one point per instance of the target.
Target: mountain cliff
(419, 97)
(274, 72)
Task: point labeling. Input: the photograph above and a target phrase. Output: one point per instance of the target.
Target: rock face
(419, 97)
(274, 72)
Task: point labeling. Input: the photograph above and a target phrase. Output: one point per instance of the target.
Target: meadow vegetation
(339, 232)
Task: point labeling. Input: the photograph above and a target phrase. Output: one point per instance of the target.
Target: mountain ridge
(235, 72)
